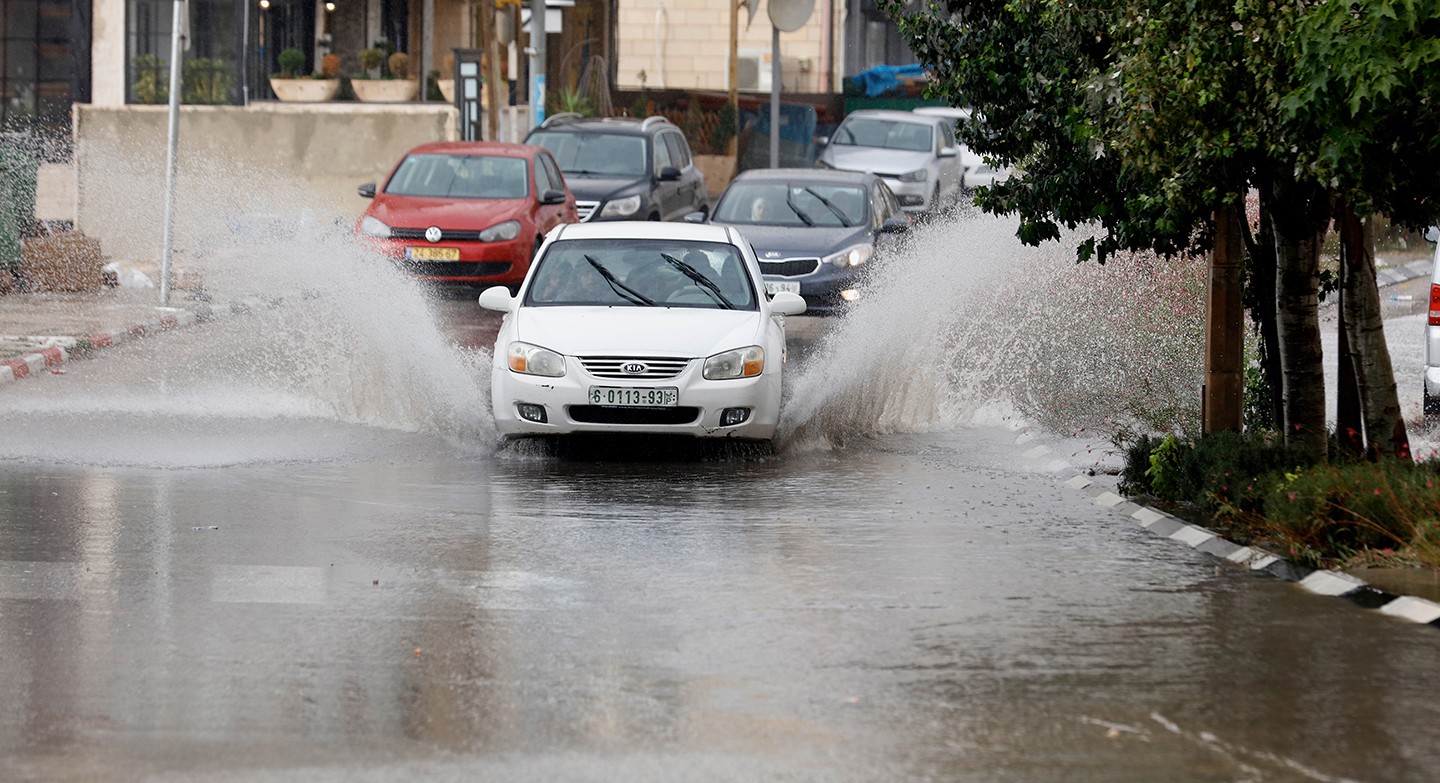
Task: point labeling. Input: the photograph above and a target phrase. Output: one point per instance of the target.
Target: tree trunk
(1385, 434)
(1261, 249)
(1349, 424)
(1299, 214)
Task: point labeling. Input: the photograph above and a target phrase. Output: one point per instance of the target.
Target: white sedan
(657, 328)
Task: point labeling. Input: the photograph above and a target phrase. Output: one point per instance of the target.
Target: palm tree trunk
(1385, 434)
(1299, 214)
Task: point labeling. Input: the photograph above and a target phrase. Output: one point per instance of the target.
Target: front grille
(790, 267)
(655, 367)
(586, 209)
(594, 414)
(446, 234)
(456, 268)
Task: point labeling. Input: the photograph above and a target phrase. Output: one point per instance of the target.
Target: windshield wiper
(806, 219)
(844, 221)
(706, 284)
(621, 290)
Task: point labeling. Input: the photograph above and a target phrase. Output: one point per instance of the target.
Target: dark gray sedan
(813, 230)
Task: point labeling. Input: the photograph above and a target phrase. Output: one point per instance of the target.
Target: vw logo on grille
(633, 368)
(433, 233)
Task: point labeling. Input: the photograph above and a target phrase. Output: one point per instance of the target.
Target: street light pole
(176, 35)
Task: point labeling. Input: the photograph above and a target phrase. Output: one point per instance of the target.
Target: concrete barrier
(294, 161)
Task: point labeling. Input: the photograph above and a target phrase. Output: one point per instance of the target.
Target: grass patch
(1255, 491)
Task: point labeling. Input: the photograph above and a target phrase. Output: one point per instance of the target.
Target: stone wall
(238, 168)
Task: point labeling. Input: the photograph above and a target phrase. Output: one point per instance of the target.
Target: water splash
(963, 324)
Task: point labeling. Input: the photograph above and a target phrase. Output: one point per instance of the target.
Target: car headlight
(739, 363)
(851, 256)
(918, 175)
(371, 227)
(534, 360)
(621, 207)
(502, 233)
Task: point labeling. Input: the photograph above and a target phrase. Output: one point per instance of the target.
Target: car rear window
(573, 272)
(594, 154)
(460, 176)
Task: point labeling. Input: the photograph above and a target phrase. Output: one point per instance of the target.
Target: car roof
(623, 125)
(810, 174)
(892, 114)
(498, 148)
(954, 112)
(645, 229)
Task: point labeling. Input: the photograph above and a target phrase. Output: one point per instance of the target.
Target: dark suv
(624, 169)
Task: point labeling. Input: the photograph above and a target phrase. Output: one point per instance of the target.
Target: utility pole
(1222, 403)
(537, 67)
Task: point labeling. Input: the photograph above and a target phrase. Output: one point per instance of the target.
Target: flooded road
(287, 547)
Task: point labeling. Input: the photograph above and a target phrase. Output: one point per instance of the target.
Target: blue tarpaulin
(882, 79)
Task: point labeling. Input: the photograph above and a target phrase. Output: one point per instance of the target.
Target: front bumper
(700, 404)
(490, 263)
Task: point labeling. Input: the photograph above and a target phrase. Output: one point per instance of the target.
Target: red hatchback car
(467, 211)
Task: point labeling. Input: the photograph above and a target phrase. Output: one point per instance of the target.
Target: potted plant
(289, 87)
(395, 86)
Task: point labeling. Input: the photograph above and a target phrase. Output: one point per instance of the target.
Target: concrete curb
(1320, 582)
(66, 349)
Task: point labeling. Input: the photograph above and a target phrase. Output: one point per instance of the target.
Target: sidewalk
(43, 330)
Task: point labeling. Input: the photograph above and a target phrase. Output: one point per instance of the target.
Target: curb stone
(1319, 582)
(63, 349)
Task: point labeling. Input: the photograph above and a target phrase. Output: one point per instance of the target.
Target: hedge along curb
(1320, 582)
(65, 349)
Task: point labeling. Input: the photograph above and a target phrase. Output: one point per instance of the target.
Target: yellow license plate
(432, 253)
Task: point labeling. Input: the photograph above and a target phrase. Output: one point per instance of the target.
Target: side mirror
(367, 190)
(822, 141)
(948, 152)
(1432, 234)
(497, 298)
(786, 303)
(669, 174)
(695, 217)
(895, 225)
(552, 197)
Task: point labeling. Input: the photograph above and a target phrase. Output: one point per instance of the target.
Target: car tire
(1431, 404)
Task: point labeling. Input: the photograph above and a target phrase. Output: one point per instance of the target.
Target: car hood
(875, 159)
(598, 188)
(637, 331)
(773, 243)
(477, 214)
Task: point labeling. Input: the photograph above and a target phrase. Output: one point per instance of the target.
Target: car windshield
(460, 176)
(795, 203)
(642, 273)
(885, 134)
(587, 154)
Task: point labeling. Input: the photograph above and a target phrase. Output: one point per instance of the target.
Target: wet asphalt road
(249, 565)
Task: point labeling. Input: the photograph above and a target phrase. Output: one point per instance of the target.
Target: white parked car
(977, 173)
(640, 327)
(915, 155)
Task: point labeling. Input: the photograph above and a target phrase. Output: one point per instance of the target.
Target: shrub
(1331, 512)
(370, 59)
(724, 130)
(399, 65)
(291, 61)
(149, 86)
(206, 81)
(329, 66)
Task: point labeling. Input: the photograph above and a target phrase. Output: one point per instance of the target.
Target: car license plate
(432, 253)
(634, 397)
(773, 287)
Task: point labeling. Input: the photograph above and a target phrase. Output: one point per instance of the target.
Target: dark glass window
(37, 82)
(212, 70)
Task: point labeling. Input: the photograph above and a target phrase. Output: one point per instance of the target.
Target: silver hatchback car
(915, 154)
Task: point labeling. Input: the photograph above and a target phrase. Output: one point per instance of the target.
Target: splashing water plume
(340, 335)
(963, 324)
